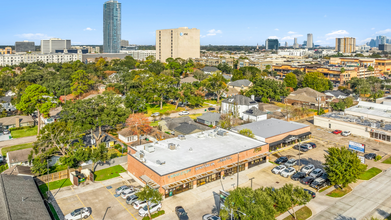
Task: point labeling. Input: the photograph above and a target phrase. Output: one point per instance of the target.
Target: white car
(120, 189)
(184, 113)
(155, 114)
(128, 192)
(78, 214)
(210, 217)
(278, 169)
(308, 169)
(345, 133)
(139, 204)
(288, 172)
(152, 208)
(316, 173)
(309, 146)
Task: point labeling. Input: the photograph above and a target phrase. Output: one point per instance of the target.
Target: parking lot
(103, 201)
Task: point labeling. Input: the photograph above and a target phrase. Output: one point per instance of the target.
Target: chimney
(17, 122)
(253, 97)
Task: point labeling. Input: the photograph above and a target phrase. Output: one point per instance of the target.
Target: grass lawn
(151, 108)
(15, 147)
(324, 188)
(113, 153)
(155, 123)
(54, 185)
(25, 132)
(339, 193)
(369, 174)
(54, 212)
(301, 214)
(108, 173)
(387, 161)
(273, 162)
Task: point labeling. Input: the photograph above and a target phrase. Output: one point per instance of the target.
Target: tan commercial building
(345, 45)
(181, 42)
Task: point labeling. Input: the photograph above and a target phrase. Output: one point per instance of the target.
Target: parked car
(181, 213)
(303, 148)
(120, 189)
(370, 156)
(152, 208)
(313, 145)
(131, 199)
(127, 193)
(319, 183)
(139, 204)
(308, 168)
(298, 176)
(337, 132)
(281, 160)
(1, 159)
(288, 172)
(184, 113)
(311, 193)
(316, 173)
(211, 109)
(210, 217)
(308, 180)
(181, 104)
(78, 214)
(291, 162)
(324, 176)
(345, 133)
(155, 114)
(6, 132)
(278, 169)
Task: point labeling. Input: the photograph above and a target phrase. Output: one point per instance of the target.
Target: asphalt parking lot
(103, 201)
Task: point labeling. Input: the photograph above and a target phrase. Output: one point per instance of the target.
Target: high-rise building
(272, 44)
(381, 40)
(24, 46)
(111, 27)
(310, 41)
(53, 44)
(372, 43)
(286, 44)
(345, 45)
(295, 44)
(181, 42)
(124, 43)
(385, 47)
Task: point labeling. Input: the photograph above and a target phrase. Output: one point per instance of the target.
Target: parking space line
(119, 202)
(83, 204)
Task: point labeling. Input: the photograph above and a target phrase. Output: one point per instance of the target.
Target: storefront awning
(149, 182)
(288, 139)
(178, 183)
(304, 134)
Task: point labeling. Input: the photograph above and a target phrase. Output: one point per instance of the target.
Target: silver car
(120, 189)
(210, 217)
(278, 169)
(291, 162)
(316, 173)
(308, 169)
(78, 214)
(288, 172)
(127, 193)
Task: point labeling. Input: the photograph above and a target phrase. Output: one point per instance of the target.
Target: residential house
(54, 115)
(189, 79)
(268, 108)
(254, 114)
(306, 97)
(19, 157)
(17, 121)
(235, 87)
(209, 118)
(127, 136)
(182, 125)
(18, 170)
(237, 105)
(6, 104)
(209, 69)
(335, 94)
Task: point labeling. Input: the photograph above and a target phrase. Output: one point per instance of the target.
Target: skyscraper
(381, 40)
(272, 44)
(111, 27)
(310, 42)
(286, 44)
(345, 45)
(295, 44)
(53, 44)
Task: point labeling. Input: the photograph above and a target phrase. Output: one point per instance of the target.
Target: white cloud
(291, 32)
(273, 37)
(212, 32)
(276, 29)
(89, 29)
(291, 37)
(372, 28)
(30, 36)
(335, 34)
(366, 40)
(384, 31)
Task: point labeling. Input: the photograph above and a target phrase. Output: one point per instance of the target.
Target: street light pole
(252, 181)
(237, 170)
(48, 180)
(299, 153)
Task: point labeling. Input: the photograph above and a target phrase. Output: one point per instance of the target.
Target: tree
(291, 80)
(268, 89)
(159, 86)
(316, 81)
(342, 166)
(100, 153)
(224, 67)
(247, 132)
(36, 98)
(40, 165)
(152, 196)
(80, 82)
(237, 75)
(135, 102)
(370, 68)
(156, 67)
(339, 106)
(216, 84)
(348, 102)
(359, 86)
(200, 75)
(342, 70)
(295, 195)
(138, 124)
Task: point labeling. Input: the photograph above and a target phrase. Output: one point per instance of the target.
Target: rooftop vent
(182, 137)
(202, 135)
(149, 148)
(190, 149)
(222, 133)
(160, 162)
(230, 100)
(143, 160)
(171, 146)
(140, 154)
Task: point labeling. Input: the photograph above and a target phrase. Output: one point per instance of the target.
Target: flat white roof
(203, 150)
(371, 108)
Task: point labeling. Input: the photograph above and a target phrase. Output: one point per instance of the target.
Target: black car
(312, 144)
(281, 160)
(319, 183)
(181, 213)
(370, 156)
(303, 148)
(308, 180)
(211, 109)
(298, 176)
(324, 176)
(311, 193)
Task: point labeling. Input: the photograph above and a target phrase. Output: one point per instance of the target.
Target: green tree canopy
(81, 82)
(247, 132)
(152, 196)
(291, 80)
(316, 81)
(268, 89)
(216, 84)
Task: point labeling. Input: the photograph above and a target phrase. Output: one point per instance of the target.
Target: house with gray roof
(5, 103)
(182, 125)
(235, 87)
(20, 199)
(243, 107)
(254, 114)
(209, 118)
(209, 69)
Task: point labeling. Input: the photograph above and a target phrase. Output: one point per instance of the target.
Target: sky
(245, 22)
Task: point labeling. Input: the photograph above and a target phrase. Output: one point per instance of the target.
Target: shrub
(157, 214)
(378, 157)
(21, 128)
(3, 168)
(211, 126)
(167, 132)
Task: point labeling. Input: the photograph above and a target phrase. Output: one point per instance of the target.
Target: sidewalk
(17, 141)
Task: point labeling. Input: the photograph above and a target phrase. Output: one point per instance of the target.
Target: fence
(57, 176)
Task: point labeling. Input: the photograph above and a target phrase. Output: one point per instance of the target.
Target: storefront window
(256, 162)
(179, 189)
(233, 170)
(208, 179)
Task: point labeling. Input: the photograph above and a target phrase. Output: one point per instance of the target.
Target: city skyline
(84, 26)
(111, 26)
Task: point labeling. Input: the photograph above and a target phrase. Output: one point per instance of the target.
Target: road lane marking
(120, 202)
(83, 204)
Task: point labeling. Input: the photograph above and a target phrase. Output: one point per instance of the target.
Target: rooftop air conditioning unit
(149, 148)
(171, 146)
(222, 133)
(202, 135)
(182, 137)
(143, 160)
(160, 162)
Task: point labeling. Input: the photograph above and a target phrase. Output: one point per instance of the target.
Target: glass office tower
(111, 27)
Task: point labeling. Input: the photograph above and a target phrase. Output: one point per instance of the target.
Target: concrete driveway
(12, 142)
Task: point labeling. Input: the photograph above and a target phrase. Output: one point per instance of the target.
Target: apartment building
(215, 61)
(345, 45)
(15, 59)
(6, 50)
(380, 65)
(140, 54)
(53, 44)
(177, 43)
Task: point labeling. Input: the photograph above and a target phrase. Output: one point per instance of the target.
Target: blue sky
(228, 22)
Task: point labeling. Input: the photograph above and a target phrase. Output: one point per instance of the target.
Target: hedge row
(157, 214)
(21, 128)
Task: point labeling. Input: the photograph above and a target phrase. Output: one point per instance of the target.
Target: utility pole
(237, 170)
(48, 181)
(252, 181)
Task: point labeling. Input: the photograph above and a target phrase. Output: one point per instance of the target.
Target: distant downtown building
(295, 44)
(272, 44)
(345, 45)
(15, 59)
(181, 42)
(111, 27)
(53, 44)
(140, 54)
(24, 46)
(310, 41)
(124, 43)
